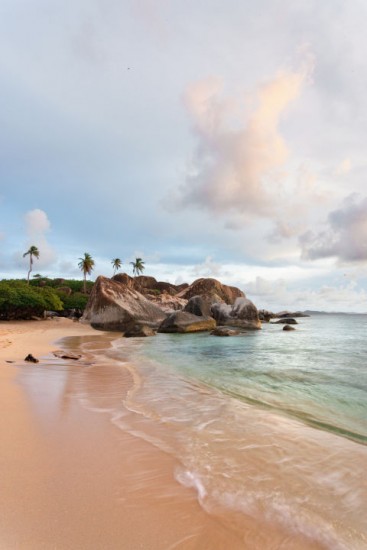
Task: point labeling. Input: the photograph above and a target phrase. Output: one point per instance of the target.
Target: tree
(86, 265)
(116, 264)
(32, 251)
(138, 266)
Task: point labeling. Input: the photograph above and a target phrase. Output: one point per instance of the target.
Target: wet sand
(70, 479)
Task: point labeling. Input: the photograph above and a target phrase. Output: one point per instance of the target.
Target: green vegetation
(32, 251)
(18, 300)
(86, 265)
(138, 266)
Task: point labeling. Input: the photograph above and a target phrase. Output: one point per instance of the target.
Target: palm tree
(116, 264)
(86, 265)
(138, 266)
(32, 251)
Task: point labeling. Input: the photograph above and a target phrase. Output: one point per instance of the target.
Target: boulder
(166, 302)
(212, 290)
(197, 305)
(243, 313)
(31, 359)
(123, 278)
(224, 331)
(286, 321)
(265, 315)
(66, 355)
(139, 331)
(288, 327)
(182, 321)
(150, 285)
(113, 305)
(290, 314)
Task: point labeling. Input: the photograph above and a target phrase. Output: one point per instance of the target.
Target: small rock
(224, 331)
(288, 327)
(31, 359)
(139, 331)
(64, 355)
(287, 321)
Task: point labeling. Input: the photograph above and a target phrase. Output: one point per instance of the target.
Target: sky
(212, 138)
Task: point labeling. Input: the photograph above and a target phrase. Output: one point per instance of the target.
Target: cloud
(37, 226)
(275, 295)
(345, 235)
(207, 269)
(343, 168)
(237, 165)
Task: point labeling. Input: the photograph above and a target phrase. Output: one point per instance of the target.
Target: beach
(77, 474)
(70, 479)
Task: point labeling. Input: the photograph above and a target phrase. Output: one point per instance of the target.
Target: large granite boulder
(197, 305)
(212, 290)
(243, 313)
(150, 285)
(123, 278)
(167, 302)
(113, 305)
(182, 321)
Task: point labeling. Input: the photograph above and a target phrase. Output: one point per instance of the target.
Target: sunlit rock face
(212, 290)
(114, 305)
(184, 322)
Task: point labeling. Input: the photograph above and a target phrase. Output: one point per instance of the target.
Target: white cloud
(345, 234)
(276, 296)
(208, 268)
(238, 166)
(37, 227)
(343, 168)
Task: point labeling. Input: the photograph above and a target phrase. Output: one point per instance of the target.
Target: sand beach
(72, 480)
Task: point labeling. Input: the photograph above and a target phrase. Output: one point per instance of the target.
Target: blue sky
(215, 138)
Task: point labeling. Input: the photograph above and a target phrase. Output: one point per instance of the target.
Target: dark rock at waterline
(288, 327)
(65, 355)
(197, 305)
(265, 315)
(282, 314)
(31, 359)
(287, 321)
(113, 305)
(243, 313)
(224, 331)
(139, 331)
(183, 322)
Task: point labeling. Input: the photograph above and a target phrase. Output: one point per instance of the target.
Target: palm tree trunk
(85, 283)
(30, 268)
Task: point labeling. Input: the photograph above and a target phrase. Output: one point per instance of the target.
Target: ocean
(270, 425)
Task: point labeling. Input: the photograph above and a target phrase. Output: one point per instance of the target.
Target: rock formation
(242, 313)
(114, 305)
(225, 331)
(182, 321)
(213, 291)
(197, 305)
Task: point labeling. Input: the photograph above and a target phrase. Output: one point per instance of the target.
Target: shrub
(21, 301)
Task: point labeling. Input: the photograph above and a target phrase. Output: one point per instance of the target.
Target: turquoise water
(317, 373)
(269, 425)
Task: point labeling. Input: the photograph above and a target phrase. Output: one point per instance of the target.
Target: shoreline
(74, 479)
(70, 478)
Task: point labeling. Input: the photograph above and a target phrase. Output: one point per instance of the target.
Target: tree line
(86, 264)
